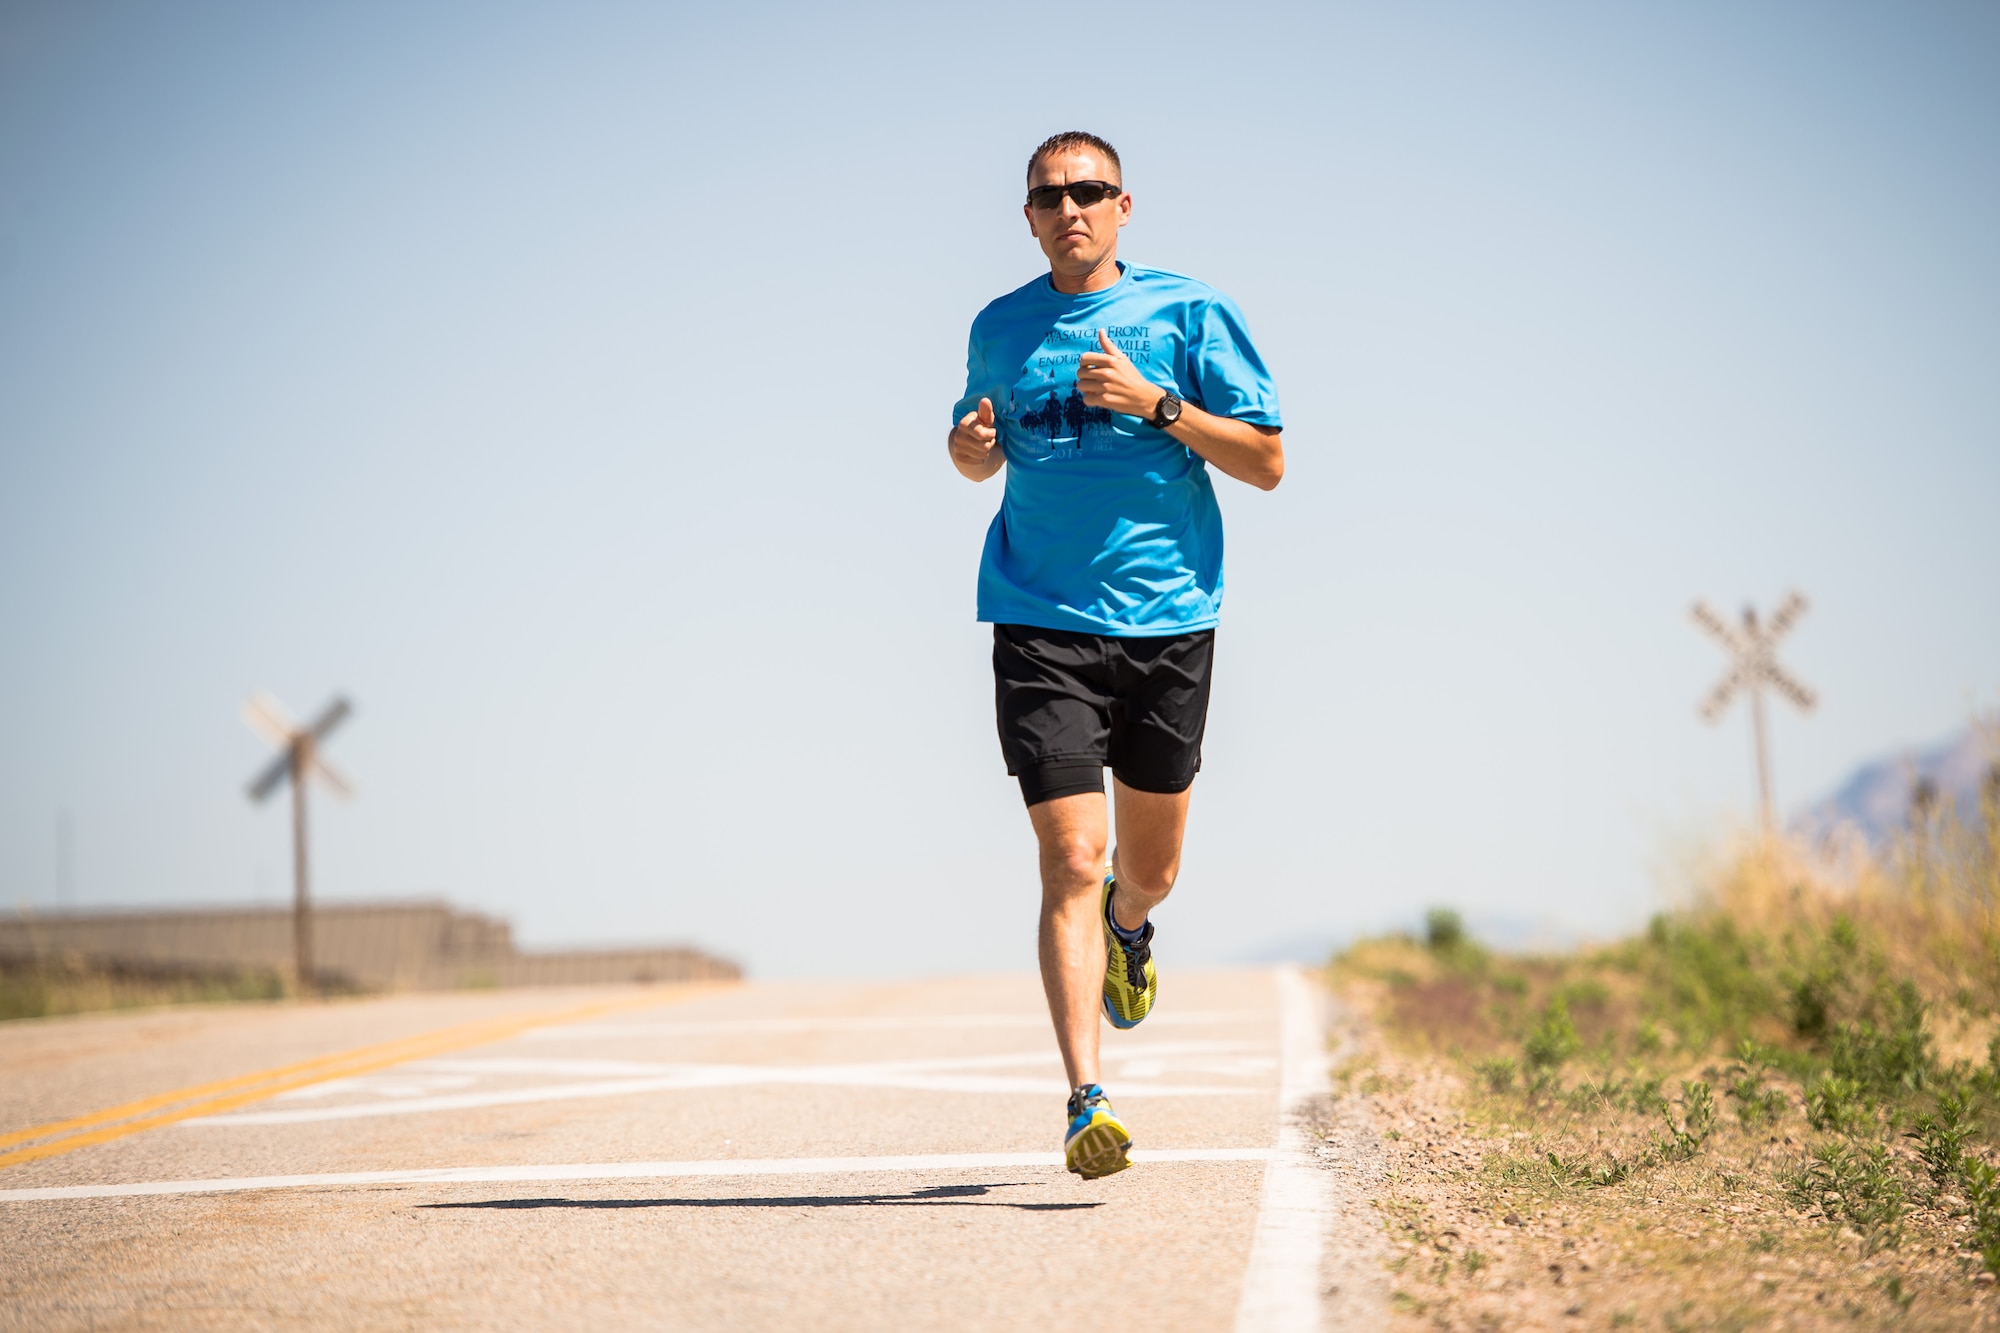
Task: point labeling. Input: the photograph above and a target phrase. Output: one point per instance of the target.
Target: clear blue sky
(568, 384)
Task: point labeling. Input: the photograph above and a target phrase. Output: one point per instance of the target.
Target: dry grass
(1776, 1107)
(46, 988)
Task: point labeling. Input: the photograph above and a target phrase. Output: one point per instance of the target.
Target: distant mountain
(1878, 797)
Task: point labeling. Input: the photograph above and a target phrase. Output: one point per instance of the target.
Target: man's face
(1077, 240)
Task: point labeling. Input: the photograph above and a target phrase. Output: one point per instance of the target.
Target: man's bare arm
(1247, 452)
(975, 444)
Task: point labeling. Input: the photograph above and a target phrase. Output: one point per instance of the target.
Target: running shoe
(1130, 982)
(1097, 1141)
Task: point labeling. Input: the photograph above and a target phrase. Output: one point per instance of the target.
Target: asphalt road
(838, 1156)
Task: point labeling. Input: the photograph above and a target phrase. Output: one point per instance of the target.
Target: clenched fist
(975, 443)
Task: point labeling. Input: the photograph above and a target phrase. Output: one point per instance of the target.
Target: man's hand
(1109, 379)
(1249, 453)
(975, 444)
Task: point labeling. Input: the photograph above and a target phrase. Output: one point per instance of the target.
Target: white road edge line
(1281, 1286)
(748, 1166)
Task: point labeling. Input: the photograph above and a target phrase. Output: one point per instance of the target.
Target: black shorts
(1071, 704)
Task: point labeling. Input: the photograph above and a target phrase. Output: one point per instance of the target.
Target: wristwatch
(1167, 411)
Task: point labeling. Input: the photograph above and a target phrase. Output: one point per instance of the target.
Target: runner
(1107, 391)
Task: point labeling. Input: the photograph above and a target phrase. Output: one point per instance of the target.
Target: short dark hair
(1071, 140)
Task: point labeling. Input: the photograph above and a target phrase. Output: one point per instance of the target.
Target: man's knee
(1151, 874)
(1073, 856)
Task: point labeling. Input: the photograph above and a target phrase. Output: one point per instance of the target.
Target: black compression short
(1069, 705)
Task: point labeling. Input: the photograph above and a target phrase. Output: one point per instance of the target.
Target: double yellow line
(62, 1136)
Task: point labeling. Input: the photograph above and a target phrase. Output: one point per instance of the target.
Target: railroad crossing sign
(299, 758)
(1753, 648)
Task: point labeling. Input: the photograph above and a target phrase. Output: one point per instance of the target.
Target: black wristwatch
(1167, 411)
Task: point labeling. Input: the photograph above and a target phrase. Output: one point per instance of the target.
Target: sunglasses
(1049, 197)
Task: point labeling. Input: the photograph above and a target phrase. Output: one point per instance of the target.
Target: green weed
(1836, 1104)
(1554, 1039)
(1858, 1186)
(1941, 1136)
(1683, 1140)
(1746, 1083)
(1981, 1184)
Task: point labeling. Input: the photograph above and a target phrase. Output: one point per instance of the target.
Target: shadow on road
(937, 1196)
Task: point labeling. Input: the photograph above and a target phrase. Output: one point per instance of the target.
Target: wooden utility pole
(1754, 665)
(299, 760)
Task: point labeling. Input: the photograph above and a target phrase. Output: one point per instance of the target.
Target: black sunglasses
(1050, 197)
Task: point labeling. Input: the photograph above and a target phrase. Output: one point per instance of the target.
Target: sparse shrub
(1579, 1171)
(1704, 977)
(73, 985)
(1886, 1050)
(1554, 1039)
(1645, 1097)
(1982, 1195)
(1941, 1137)
(1444, 930)
(1811, 1003)
(1685, 1139)
(1498, 1072)
(1746, 1086)
(1587, 994)
(1857, 1186)
(1834, 1103)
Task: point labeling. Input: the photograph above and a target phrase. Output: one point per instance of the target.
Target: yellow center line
(227, 1094)
(130, 1109)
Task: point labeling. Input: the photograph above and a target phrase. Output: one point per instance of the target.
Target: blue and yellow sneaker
(1130, 982)
(1097, 1141)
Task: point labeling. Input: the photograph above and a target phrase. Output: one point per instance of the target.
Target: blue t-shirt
(1108, 526)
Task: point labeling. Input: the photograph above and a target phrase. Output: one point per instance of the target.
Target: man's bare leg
(1072, 833)
(1148, 858)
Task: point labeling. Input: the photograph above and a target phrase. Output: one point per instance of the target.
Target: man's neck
(1105, 274)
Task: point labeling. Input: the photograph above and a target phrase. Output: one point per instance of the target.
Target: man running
(1107, 391)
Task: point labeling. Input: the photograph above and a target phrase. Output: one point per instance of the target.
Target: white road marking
(503, 1064)
(882, 1023)
(379, 1085)
(1281, 1287)
(511, 1175)
(933, 1075)
(713, 1076)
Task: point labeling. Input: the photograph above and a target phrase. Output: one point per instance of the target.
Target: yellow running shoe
(1130, 982)
(1097, 1141)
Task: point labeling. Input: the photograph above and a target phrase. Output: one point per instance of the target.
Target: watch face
(1170, 409)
